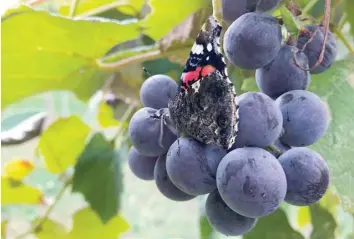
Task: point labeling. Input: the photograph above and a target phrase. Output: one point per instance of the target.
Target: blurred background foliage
(64, 171)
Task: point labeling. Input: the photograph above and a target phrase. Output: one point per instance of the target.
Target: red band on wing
(194, 75)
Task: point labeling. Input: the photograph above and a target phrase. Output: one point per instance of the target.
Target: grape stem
(37, 226)
(217, 10)
(274, 150)
(326, 20)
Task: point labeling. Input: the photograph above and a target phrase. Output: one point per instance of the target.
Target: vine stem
(217, 10)
(73, 7)
(46, 214)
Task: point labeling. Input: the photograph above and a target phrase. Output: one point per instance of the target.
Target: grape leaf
(86, 224)
(303, 216)
(163, 18)
(275, 225)
(206, 231)
(98, 177)
(324, 225)
(58, 53)
(291, 23)
(105, 116)
(17, 169)
(62, 143)
(334, 88)
(3, 228)
(12, 192)
(50, 229)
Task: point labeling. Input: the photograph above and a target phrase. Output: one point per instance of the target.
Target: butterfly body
(205, 107)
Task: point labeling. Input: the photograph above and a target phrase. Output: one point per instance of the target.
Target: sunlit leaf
(62, 143)
(4, 228)
(50, 229)
(303, 217)
(292, 25)
(87, 224)
(161, 15)
(105, 115)
(15, 192)
(206, 231)
(58, 53)
(17, 169)
(97, 176)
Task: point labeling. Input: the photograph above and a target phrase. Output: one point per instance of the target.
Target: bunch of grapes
(270, 162)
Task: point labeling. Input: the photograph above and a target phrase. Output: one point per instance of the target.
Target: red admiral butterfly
(205, 107)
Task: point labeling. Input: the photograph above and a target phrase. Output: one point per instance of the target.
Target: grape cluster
(270, 162)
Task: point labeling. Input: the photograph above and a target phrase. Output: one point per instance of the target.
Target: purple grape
(260, 122)
(164, 184)
(145, 132)
(307, 176)
(224, 220)
(282, 74)
(251, 182)
(189, 168)
(305, 118)
(157, 90)
(141, 166)
(313, 47)
(233, 9)
(253, 40)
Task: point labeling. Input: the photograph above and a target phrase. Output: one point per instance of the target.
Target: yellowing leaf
(17, 169)
(88, 225)
(105, 116)
(62, 143)
(15, 192)
(50, 229)
(303, 216)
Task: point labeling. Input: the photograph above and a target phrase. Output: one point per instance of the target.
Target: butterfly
(205, 106)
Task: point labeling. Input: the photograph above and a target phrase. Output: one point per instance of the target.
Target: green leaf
(290, 22)
(98, 177)
(334, 88)
(50, 229)
(58, 53)
(275, 225)
(206, 231)
(16, 192)
(82, 6)
(162, 17)
(237, 76)
(89, 226)
(324, 225)
(303, 217)
(62, 143)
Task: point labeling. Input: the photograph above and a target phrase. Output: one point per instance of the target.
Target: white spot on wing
(209, 47)
(197, 49)
(207, 58)
(196, 86)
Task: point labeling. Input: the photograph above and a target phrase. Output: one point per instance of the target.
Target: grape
(189, 168)
(282, 75)
(260, 122)
(307, 175)
(305, 117)
(145, 131)
(157, 90)
(314, 47)
(233, 9)
(142, 166)
(253, 40)
(251, 181)
(214, 154)
(164, 184)
(223, 219)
